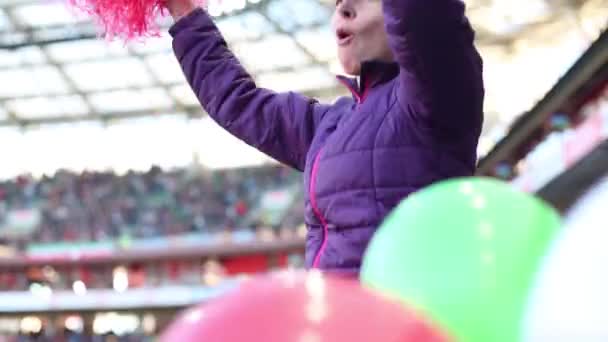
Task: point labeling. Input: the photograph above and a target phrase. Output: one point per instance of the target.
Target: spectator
(96, 206)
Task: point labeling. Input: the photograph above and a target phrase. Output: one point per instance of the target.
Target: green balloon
(464, 252)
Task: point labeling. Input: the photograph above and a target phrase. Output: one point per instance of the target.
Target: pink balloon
(301, 307)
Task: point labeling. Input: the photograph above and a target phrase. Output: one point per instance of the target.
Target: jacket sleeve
(441, 81)
(279, 125)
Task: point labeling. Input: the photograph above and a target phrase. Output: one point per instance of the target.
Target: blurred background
(122, 202)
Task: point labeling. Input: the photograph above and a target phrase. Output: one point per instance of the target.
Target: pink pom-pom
(126, 19)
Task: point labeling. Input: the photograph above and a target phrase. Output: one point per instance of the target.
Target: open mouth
(344, 37)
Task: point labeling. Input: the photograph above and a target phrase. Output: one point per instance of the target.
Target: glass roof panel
(501, 74)
(14, 2)
(279, 13)
(45, 107)
(256, 22)
(31, 55)
(309, 12)
(283, 28)
(109, 74)
(320, 42)
(12, 148)
(74, 146)
(234, 152)
(232, 28)
(46, 14)
(175, 149)
(249, 25)
(290, 15)
(161, 43)
(5, 22)
(3, 114)
(312, 78)
(82, 50)
(219, 7)
(185, 95)
(276, 51)
(522, 12)
(129, 100)
(9, 58)
(99, 147)
(166, 68)
(32, 81)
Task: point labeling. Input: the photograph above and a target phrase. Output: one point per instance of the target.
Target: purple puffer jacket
(411, 123)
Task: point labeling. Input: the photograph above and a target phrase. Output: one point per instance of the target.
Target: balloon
(298, 307)
(464, 251)
(569, 301)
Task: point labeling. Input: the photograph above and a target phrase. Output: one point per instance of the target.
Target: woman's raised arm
(441, 72)
(280, 125)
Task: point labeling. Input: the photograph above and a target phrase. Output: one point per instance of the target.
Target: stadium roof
(55, 70)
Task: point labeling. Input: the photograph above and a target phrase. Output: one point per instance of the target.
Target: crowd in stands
(73, 337)
(99, 206)
(94, 206)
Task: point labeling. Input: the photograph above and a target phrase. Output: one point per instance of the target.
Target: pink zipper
(360, 97)
(315, 209)
(313, 181)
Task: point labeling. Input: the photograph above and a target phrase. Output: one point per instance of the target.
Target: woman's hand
(181, 8)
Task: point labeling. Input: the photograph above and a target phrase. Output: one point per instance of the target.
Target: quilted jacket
(408, 124)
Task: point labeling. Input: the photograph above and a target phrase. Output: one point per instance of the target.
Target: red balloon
(301, 307)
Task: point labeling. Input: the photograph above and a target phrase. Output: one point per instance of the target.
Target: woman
(414, 117)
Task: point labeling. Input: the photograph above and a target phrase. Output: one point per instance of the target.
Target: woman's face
(360, 34)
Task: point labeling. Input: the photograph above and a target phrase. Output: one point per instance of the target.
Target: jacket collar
(372, 74)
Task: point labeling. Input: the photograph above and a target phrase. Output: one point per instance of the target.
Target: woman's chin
(350, 66)
(352, 69)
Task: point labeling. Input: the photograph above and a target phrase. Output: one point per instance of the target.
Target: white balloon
(569, 301)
